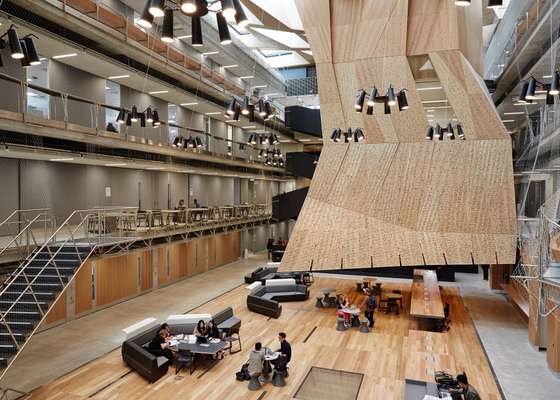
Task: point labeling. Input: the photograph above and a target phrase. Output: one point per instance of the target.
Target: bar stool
(359, 288)
(340, 324)
(254, 383)
(364, 326)
(278, 379)
(319, 302)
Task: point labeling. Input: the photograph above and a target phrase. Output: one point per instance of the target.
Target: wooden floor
(381, 355)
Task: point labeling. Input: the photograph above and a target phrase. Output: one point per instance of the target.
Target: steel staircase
(30, 292)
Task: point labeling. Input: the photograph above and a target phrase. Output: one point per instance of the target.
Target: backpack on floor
(243, 374)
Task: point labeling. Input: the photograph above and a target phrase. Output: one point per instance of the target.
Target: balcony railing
(301, 86)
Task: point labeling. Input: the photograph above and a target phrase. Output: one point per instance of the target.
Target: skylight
(285, 11)
(288, 39)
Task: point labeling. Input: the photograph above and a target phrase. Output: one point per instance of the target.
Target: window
(274, 53)
(112, 98)
(38, 102)
(230, 139)
(173, 131)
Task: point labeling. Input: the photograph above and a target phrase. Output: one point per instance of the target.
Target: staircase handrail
(22, 231)
(23, 211)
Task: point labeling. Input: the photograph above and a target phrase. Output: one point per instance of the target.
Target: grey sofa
(135, 351)
(260, 273)
(266, 299)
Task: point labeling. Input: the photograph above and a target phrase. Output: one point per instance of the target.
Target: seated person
(469, 392)
(256, 360)
(200, 329)
(212, 330)
(159, 347)
(165, 327)
(342, 302)
(285, 351)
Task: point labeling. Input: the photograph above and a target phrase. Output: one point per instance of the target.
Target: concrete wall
(211, 190)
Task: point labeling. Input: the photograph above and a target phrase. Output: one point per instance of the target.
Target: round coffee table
(355, 313)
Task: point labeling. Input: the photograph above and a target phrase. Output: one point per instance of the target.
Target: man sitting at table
(256, 360)
(285, 350)
(160, 347)
(180, 205)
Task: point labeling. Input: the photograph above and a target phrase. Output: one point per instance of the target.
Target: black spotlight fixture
(189, 7)
(121, 118)
(268, 109)
(360, 97)
(261, 154)
(439, 132)
(250, 140)
(142, 120)
(335, 135)
(237, 112)
(196, 31)
(245, 108)
(190, 142)
(460, 132)
(176, 142)
(228, 9)
(358, 135)
(450, 133)
(275, 140)
(25, 60)
(402, 101)
(129, 119)
(549, 99)
(369, 110)
(372, 96)
(387, 109)
(240, 16)
(523, 94)
(232, 106)
(463, 3)
(391, 96)
(134, 114)
(531, 89)
(15, 44)
(262, 108)
(229, 151)
(31, 55)
(167, 28)
(156, 122)
(251, 113)
(223, 29)
(347, 135)
(263, 139)
(146, 19)
(198, 142)
(430, 133)
(149, 115)
(156, 7)
(271, 139)
(495, 3)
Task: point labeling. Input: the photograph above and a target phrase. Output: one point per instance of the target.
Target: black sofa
(135, 354)
(260, 273)
(266, 299)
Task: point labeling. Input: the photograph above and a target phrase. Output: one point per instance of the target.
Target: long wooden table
(426, 298)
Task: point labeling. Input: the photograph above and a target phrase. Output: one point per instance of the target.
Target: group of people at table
(261, 358)
(345, 310)
(161, 344)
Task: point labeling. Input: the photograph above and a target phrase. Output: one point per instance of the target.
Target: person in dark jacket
(269, 245)
(469, 392)
(160, 347)
(285, 351)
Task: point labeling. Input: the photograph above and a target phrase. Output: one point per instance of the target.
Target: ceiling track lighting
(438, 132)
(529, 87)
(390, 99)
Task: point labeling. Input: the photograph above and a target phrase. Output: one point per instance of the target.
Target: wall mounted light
(529, 87)
(390, 99)
(438, 132)
(357, 135)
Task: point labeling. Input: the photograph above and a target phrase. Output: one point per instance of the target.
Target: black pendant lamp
(134, 114)
(149, 115)
(387, 109)
(231, 106)
(32, 55)
(199, 144)
(240, 16)
(439, 132)
(176, 142)
(156, 7)
(369, 110)
(335, 135)
(523, 94)
(555, 84)
(190, 142)
(450, 133)
(142, 120)
(245, 108)
(196, 31)
(262, 109)
(121, 118)
(237, 112)
(391, 96)
(223, 29)
(129, 119)
(549, 99)
(360, 97)
(359, 135)
(251, 113)
(156, 122)
(268, 110)
(463, 3)
(15, 45)
(531, 89)
(167, 29)
(430, 133)
(146, 19)
(460, 131)
(372, 95)
(261, 153)
(402, 101)
(25, 60)
(189, 7)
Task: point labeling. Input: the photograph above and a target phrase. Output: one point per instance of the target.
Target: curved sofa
(266, 299)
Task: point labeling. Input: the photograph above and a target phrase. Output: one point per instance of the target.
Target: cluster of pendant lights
(234, 109)
(491, 3)
(527, 94)
(388, 100)
(20, 49)
(255, 138)
(189, 143)
(272, 157)
(148, 116)
(195, 9)
(437, 132)
(357, 135)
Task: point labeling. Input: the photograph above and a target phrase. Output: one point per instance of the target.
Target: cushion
(280, 282)
(254, 285)
(223, 315)
(229, 323)
(139, 327)
(182, 319)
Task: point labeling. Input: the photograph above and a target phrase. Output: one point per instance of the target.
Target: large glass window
(172, 118)
(112, 98)
(38, 102)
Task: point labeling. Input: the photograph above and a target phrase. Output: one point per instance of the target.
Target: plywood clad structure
(396, 198)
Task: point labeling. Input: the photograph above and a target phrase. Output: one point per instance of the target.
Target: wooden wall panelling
(146, 273)
(57, 313)
(191, 257)
(162, 265)
(211, 252)
(200, 255)
(116, 278)
(84, 290)
(553, 340)
(178, 261)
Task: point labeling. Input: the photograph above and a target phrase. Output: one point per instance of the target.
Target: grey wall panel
(70, 80)
(12, 102)
(212, 190)
(244, 191)
(9, 192)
